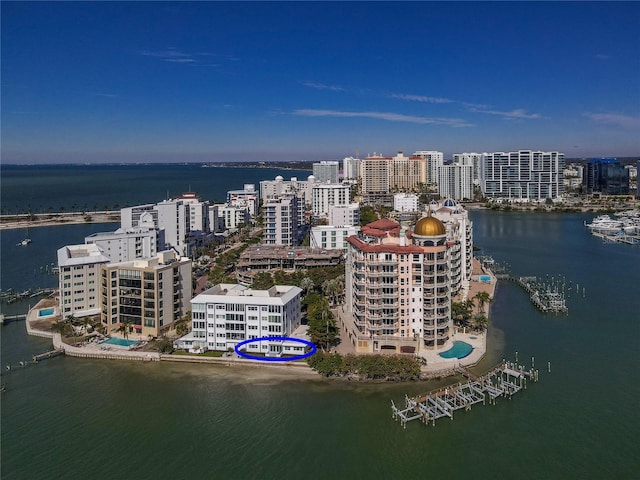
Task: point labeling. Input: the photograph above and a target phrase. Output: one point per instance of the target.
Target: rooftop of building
(280, 293)
(283, 251)
(83, 254)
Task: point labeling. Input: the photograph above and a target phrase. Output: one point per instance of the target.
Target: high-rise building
(344, 214)
(326, 171)
(281, 220)
(184, 220)
(226, 315)
(247, 198)
(460, 238)
(606, 176)
(524, 175)
(455, 181)
(473, 159)
(324, 195)
(79, 279)
(432, 161)
(374, 172)
(150, 294)
(405, 173)
(351, 168)
(128, 243)
(398, 287)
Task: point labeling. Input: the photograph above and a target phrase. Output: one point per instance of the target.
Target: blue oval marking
(275, 359)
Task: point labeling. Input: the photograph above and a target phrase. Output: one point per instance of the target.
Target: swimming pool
(459, 350)
(46, 312)
(485, 278)
(121, 342)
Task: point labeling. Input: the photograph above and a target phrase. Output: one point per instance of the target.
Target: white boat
(24, 242)
(607, 225)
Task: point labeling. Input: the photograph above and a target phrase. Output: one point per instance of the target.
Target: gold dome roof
(429, 227)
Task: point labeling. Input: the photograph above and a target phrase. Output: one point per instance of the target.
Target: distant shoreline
(12, 222)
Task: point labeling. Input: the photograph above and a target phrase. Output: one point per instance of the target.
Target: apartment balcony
(130, 292)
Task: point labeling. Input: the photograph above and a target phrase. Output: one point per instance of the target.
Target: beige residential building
(151, 294)
(398, 287)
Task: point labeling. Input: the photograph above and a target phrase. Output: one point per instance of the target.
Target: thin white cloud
(173, 55)
(322, 86)
(421, 98)
(617, 119)
(388, 116)
(602, 56)
(105, 95)
(517, 114)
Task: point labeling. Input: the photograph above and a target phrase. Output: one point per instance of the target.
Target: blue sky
(216, 81)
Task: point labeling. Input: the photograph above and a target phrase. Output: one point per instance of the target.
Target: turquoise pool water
(485, 278)
(46, 312)
(121, 342)
(459, 350)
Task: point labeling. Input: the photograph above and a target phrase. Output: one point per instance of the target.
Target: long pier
(617, 237)
(504, 380)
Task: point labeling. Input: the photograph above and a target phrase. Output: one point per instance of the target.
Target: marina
(623, 229)
(547, 296)
(504, 380)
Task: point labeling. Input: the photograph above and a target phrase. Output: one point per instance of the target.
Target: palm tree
(330, 288)
(479, 322)
(483, 298)
(306, 284)
(125, 328)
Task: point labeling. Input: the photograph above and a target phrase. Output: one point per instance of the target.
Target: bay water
(90, 419)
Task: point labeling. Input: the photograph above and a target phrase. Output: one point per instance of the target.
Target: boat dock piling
(542, 296)
(504, 380)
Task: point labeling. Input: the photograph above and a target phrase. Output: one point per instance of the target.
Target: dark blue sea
(47, 188)
(88, 419)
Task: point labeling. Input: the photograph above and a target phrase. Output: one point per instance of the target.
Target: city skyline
(262, 81)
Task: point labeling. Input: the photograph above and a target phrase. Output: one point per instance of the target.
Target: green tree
(263, 281)
(367, 214)
(461, 312)
(182, 328)
(322, 329)
(480, 322)
(483, 298)
(125, 328)
(306, 284)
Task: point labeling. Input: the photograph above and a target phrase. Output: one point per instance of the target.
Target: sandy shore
(8, 222)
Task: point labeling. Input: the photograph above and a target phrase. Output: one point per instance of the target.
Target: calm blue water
(76, 419)
(459, 350)
(46, 312)
(46, 188)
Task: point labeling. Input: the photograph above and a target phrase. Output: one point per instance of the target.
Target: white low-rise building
(228, 314)
(325, 195)
(128, 243)
(344, 214)
(405, 202)
(330, 237)
(232, 216)
(245, 198)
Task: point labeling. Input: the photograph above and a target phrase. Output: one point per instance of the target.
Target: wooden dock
(504, 380)
(617, 237)
(541, 296)
(50, 354)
